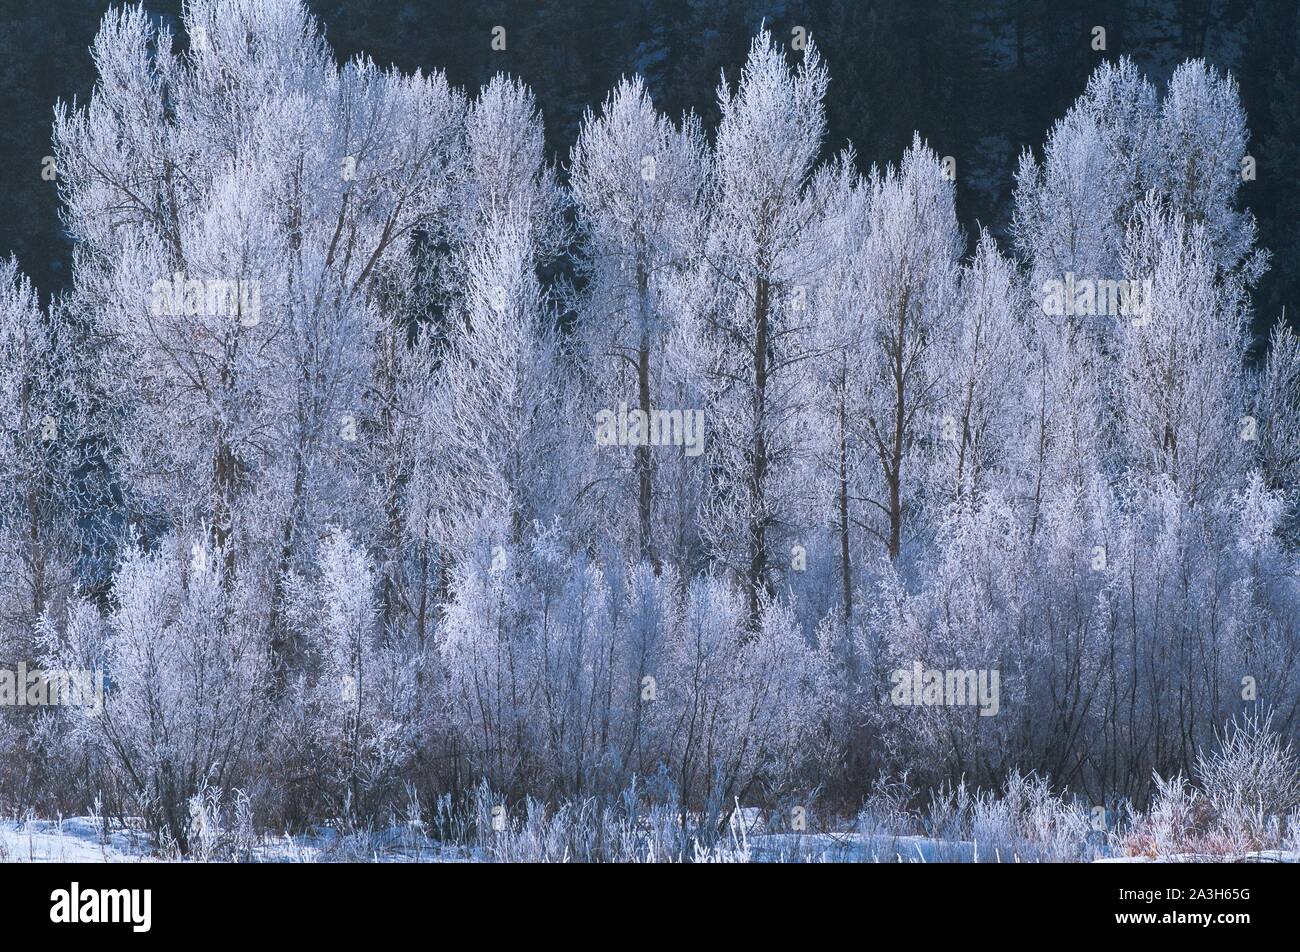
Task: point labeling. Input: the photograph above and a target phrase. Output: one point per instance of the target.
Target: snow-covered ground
(74, 840)
(1256, 856)
(82, 840)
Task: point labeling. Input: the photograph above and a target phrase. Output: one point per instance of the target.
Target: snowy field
(74, 840)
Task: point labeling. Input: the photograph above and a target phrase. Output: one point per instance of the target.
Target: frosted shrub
(361, 704)
(1245, 798)
(736, 707)
(1173, 821)
(1252, 778)
(1028, 822)
(186, 660)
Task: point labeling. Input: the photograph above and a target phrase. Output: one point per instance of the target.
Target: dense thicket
(391, 503)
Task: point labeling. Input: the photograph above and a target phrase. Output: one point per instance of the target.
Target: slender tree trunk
(965, 435)
(643, 450)
(757, 581)
(895, 474)
(224, 474)
(846, 566)
(279, 643)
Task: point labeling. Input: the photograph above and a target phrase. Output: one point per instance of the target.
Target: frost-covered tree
(498, 406)
(910, 279)
(1200, 143)
(45, 475)
(739, 706)
(638, 188)
(503, 166)
(1180, 390)
(1275, 418)
(361, 687)
(1115, 153)
(839, 393)
(755, 322)
(495, 418)
(1098, 162)
(185, 659)
(232, 234)
(982, 363)
(43, 448)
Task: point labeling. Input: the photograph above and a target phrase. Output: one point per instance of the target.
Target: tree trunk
(757, 580)
(643, 450)
(223, 478)
(895, 474)
(846, 567)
